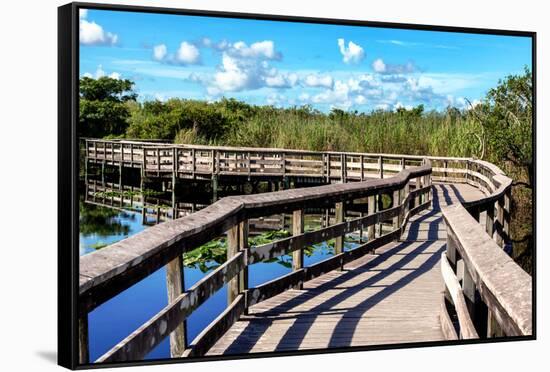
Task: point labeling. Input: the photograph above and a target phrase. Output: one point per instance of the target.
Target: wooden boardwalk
(441, 272)
(393, 296)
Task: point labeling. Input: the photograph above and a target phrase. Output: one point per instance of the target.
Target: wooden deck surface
(393, 296)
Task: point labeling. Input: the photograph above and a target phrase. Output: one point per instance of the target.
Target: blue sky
(286, 64)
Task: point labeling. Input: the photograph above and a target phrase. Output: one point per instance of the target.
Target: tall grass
(432, 134)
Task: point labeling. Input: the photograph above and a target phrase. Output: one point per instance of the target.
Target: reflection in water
(110, 212)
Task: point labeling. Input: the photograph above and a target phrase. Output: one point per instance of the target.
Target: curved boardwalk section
(392, 296)
(435, 266)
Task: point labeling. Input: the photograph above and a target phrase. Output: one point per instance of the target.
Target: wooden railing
(490, 293)
(105, 273)
(194, 161)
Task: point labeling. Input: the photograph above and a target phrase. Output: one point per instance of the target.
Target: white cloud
(399, 105)
(159, 52)
(237, 74)
(378, 65)
(82, 13)
(187, 54)
(99, 73)
(261, 49)
(354, 53)
(316, 80)
(93, 34)
(381, 67)
(234, 75)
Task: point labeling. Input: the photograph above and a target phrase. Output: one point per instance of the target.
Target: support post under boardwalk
(298, 229)
(232, 250)
(83, 344)
(372, 210)
(175, 286)
(340, 214)
(214, 188)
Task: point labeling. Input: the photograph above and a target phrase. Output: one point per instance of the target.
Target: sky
(292, 64)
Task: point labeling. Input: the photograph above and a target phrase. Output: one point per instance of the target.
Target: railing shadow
(295, 334)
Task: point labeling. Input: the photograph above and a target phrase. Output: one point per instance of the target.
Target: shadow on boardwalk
(392, 296)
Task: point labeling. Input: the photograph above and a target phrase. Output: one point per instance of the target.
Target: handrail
(498, 292)
(107, 272)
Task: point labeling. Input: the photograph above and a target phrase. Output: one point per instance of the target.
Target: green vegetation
(100, 221)
(499, 130)
(103, 106)
(214, 253)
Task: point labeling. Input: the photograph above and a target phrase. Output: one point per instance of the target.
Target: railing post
(174, 180)
(381, 166)
(249, 171)
(396, 202)
(328, 168)
(490, 220)
(476, 307)
(243, 246)
(362, 159)
(402, 163)
(372, 210)
(506, 221)
(500, 222)
(418, 198)
(340, 215)
(176, 286)
(343, 167)
(298, 229)
(83, 342)
(406, 191)
(232, 249)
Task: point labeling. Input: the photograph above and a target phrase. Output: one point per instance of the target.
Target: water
(117, 318)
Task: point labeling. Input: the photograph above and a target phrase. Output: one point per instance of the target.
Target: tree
(506, 117)
(103, 106)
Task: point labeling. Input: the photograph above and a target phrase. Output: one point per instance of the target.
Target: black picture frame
(68, 161)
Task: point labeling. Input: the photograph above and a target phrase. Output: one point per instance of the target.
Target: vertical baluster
(362, 160)
(193, 161)
(396, 201)
(298, 229)
(476, 306)
(232, 249)
(243, 246)
(176, 286)
(506, 221)
(381, 166)
(174, 180)
(490, 220)
(340, 216)
(328, 167)
(500, 222)
(372, 210)
(418, 186)
(248, 165)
